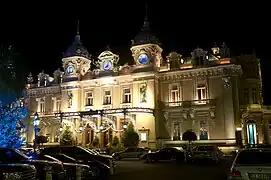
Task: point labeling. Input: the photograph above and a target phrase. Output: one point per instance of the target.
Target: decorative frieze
(39, 92)
(143, 78)
(70, 87)
(225, 71)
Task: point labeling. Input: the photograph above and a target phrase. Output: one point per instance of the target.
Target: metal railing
(189, 104)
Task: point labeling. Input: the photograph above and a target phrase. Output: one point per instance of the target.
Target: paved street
(135, 169)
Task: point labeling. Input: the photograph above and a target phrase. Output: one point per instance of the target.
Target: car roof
(255, 150)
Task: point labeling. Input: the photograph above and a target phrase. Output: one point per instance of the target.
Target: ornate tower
(76, 60)
(145, 48)
(216, 50)
(108, 61)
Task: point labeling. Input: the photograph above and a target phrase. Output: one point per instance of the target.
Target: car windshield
(64, 158)
(94, 151)
(91, 151)
(205, 148)
(21, 154)
(47, 157)
(254, 157)
(168, 150)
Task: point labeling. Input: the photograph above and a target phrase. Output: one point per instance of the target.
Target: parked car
(99, 170)
(17, 171)
(211, 153)
(8, 155)
(93, 151)
(101, 150)
(165, 154)
(80, 153)
(130, 152)
(251, 164)
(28, 151)
(70, 167)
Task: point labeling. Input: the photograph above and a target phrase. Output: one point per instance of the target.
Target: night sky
(42, 32)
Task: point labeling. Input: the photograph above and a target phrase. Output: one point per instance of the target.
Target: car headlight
(83, 168)
(12, 176)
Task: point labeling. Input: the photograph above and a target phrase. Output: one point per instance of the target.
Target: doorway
(251, 133)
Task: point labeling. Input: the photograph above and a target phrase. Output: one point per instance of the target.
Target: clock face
(143, 59)
(70, 69)
(107, 65)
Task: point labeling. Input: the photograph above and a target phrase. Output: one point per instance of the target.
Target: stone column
(228, 108)
(100, 135)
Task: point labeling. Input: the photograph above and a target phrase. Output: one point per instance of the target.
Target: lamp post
(124, 117)
(36, 123)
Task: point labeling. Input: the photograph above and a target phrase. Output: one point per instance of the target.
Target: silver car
(251, 164)
(131, 152)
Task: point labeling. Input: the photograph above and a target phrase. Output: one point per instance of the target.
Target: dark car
(71, 168)
(99, 170)
(79, 153)
(8, 155)
(211, 153)
(130, 152)
(17, 171)
(165, 154)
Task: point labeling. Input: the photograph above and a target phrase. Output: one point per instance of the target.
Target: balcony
(44, 114)
(191, 104)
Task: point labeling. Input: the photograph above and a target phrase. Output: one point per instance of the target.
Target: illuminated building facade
(211, 93)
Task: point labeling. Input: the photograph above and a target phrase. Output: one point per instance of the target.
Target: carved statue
(227, 82)
(29, 78)
(174, 60)
(143, 93)
(57, 76)
(41, 79)
(224, 51)
(70, 97)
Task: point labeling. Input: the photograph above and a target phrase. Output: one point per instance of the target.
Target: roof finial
(146, 25)
(78, 21)
(146, 12)
(107, 48)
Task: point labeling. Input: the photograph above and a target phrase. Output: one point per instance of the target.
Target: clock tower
(108, 61)
(145, 49)
(76, 60)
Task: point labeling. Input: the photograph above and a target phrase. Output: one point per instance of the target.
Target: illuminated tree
(115, 141)
(11, 124)
(96, 141)
(67, 137)
(12, 112)
(130, 136)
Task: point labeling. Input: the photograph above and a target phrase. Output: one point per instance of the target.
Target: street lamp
(36, 123)
(81, 128)
(124, 117)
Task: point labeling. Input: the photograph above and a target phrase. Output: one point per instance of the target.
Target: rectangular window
(42, 105)
(254, 96)
(89, 99)
(201, 92)
(177, 132)
(126, 95)
(107, 97)
(246, 95)
(58, 105)
(203, 131)
(143, 137)
(174, 93)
